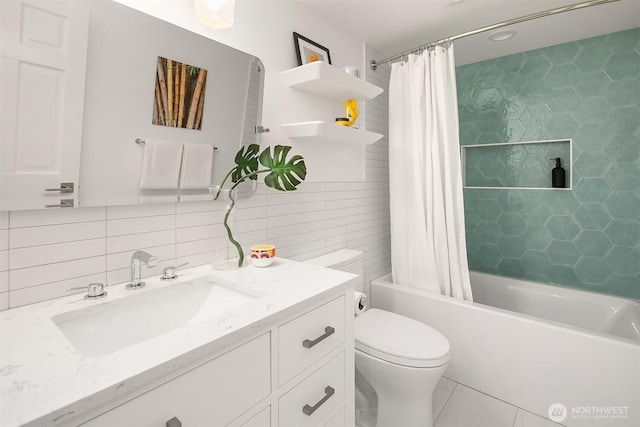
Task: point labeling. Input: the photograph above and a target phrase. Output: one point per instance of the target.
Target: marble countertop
(44, 380)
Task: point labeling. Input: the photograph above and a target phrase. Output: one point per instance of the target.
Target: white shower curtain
(427, 215)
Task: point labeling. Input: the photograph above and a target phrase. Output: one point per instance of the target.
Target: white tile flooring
(456, 405)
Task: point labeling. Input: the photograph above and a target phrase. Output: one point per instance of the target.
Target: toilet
(398, 360)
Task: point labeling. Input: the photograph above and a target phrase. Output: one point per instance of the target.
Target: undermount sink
(110, 326)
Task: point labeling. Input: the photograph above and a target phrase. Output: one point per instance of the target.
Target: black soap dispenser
(558, 175)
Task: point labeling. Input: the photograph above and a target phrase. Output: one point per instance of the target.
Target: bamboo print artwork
(179, 94)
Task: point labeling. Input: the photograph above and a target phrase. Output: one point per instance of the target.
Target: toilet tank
(349, 260)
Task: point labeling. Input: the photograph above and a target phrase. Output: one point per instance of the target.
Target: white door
(43, 50)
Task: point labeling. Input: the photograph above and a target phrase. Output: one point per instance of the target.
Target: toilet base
(404, 394)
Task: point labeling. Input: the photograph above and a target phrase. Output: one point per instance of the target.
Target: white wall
(43, 252)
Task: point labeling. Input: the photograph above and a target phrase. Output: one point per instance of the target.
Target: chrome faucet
(137, 259)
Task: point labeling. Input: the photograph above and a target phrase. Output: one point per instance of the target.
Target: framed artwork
(178, 100)
(309, 51)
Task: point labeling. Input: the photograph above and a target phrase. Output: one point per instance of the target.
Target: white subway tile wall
(44, 252)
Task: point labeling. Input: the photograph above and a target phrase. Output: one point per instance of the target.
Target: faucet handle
(94, 290)
(169, 273)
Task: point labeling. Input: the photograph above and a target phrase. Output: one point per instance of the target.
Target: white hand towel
(197, 162)
(161, 165)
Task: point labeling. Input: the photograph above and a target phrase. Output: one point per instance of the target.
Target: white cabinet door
(43, 50)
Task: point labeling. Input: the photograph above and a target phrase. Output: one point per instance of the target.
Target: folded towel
(197, 162)
(161, 165)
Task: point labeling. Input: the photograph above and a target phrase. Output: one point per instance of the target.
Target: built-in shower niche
(515, 164)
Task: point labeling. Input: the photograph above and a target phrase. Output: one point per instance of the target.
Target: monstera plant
(282, 174)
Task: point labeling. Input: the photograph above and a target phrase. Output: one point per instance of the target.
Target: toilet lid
(400, 340)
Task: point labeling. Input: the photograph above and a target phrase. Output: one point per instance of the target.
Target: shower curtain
(428, 247)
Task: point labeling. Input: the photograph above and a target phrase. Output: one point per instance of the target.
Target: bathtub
(536, 346)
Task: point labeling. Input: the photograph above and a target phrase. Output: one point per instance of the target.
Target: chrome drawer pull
(328, 392)
(64, 203)
(174, 422)
(65, 187)
(328, 331)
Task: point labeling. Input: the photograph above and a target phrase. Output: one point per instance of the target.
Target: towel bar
(142, 141)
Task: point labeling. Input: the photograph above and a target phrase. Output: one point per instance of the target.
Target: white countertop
(43, 378)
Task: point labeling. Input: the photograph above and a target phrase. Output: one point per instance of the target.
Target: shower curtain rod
(373, 64)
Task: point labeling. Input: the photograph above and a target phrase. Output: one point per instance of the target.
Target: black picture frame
(306, 47)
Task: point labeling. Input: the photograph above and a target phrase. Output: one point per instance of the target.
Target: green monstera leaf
(247, 162)
(284, 175)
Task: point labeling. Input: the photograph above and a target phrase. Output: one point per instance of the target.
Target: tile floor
(456, 405)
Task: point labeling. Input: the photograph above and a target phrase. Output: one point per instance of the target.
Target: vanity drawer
(315, 397)
(306, 339)
(211, 394)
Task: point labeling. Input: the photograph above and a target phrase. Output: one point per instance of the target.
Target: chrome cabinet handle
(64, 203)
(328, 392)
(65, 187)
(328, 331)
(174, 422)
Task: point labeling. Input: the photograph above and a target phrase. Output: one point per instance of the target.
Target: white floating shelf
(319, 131)
(327, 81)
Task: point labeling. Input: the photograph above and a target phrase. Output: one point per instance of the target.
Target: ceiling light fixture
(501, 35)
(215, 14)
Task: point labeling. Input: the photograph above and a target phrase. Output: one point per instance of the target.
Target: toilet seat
(400, 340)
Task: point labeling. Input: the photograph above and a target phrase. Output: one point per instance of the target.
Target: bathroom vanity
(250, 347)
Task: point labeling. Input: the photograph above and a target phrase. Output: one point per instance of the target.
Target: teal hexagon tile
(592, 110)
(469, 133)
(511, 246)
(468, 72)
(623, 65)
(489, 138)
(536, 237)
(561, 125)
(593, 217)
(563, 253)
(624, 120)
(536, 262)
(514, 131)
(623, 232)
(562, 75)
(488, 99)
(511, 223)
(562, 227)
(592, 137)
(535, 68)
(488, 255)
(470, 197)
(488, 209)
(623, 93)
(535, 213)
(471, 220)
(536, 278)
(592, 83)
(563, 100)
(562, 53)
(622, 41)
(592, 243)
(473, 243)
(623, 204)
(466, 114)
(535, 89)
(625, 286)
(512, 268)
(512, 200)
(623, 177)
(565, 276)
(511, 84)
(592, 57)
(623, 260)
(488, 232)
(562, 202)
(488, 121)
(592, 270)
(510, 63)
(514, 108)
(473, 178)
(488, 194)
(474, 263)
(592, 164)
(491, 165)
(592, 190)
(623, 149)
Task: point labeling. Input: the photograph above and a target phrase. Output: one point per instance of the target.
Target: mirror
(122, 61)
(124, 47)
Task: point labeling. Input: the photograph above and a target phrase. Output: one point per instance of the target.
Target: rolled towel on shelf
(197, 164)
(161, 165)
